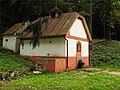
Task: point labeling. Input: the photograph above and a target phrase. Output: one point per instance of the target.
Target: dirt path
(97, 70)
(112, 72)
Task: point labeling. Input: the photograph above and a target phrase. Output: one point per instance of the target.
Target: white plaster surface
(11, 43)
(55, 48)
(77, 29)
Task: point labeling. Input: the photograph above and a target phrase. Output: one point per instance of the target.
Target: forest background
(102, 16)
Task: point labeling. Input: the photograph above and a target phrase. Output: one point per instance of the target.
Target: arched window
(79, 47)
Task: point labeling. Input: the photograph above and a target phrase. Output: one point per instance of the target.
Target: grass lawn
(72, 80)
(11, 62)
(12, 65)
(104, 55)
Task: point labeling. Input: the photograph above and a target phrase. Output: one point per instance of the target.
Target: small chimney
(55, 12)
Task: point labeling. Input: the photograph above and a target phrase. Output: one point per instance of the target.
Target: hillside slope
(106, 53)
(10, 62)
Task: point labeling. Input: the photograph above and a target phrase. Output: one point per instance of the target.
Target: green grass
(9, 61)
(106, 55)
(73, 80)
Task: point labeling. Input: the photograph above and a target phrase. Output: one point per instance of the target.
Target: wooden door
(78, 52)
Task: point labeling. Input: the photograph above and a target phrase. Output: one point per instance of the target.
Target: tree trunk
(0, 38)
(108, 33)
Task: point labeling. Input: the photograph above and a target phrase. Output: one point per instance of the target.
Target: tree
(104, 15)
(105, 10)
(15, 11)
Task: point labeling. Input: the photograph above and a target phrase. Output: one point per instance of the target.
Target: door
(78, 52)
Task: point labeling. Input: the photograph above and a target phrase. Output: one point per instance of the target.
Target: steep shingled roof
(13, 29)
(58, 26)
(17, 29)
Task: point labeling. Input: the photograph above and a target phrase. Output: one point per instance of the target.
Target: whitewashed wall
(11, 43)
(77, 29)
(85, 48)
(55, 48)
(72, 47)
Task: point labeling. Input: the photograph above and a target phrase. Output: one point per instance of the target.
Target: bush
(106, 53)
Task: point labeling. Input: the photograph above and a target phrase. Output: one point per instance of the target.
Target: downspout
(67, 55)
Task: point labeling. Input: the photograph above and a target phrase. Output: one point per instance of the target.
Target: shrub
(106, 53)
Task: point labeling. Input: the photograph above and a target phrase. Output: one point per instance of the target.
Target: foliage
(106, 53)
(36, 29)
(17, 11)
(106, 13)
(73, 80)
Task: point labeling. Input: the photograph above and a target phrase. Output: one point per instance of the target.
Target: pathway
(97, 70)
